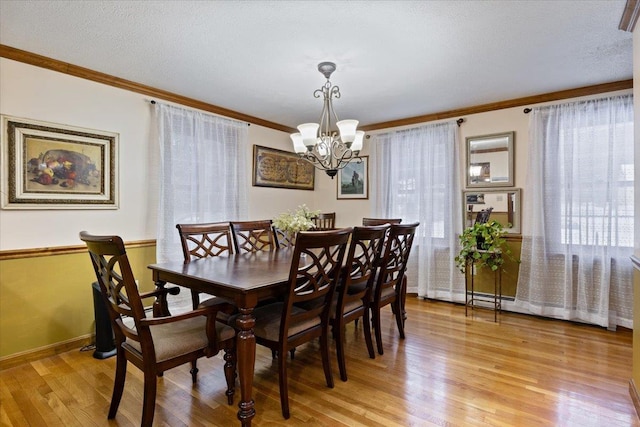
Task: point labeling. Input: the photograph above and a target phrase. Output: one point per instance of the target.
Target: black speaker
(105, 343)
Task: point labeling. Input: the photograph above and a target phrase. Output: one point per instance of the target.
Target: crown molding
(518, 102)
(96, 76)
(85, 73)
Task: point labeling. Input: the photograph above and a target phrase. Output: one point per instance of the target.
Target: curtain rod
(153, 101)
(527, 110)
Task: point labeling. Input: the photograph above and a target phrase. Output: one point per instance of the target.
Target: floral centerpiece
(292, 222)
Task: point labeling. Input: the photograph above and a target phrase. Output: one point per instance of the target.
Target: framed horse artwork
(353, 180)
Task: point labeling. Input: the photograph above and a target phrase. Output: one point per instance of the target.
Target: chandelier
(319, 143)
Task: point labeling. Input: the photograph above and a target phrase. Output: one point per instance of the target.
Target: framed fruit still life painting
(52, 166)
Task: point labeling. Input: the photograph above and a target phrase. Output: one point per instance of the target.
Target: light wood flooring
(450, 371)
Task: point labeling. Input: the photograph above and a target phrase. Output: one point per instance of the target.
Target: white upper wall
(36, 93)
(39, 94)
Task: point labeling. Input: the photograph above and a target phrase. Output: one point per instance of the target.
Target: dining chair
(206, 240)
(324, 221)
(483, 216)
(390, 285)
(253, 236)
(353, 294)
(380, 221)
(283, 240)
(202, 241)
(155, 344)
(280, 326)
(368, 222)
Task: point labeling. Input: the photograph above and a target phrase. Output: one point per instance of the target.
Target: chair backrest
(315, 271)
(324, 221)
(205, 240)
(117, 285)
(394, 257)
(253, 236)
(483, 216)
(283, 240)
(362, 260)
(380, 221)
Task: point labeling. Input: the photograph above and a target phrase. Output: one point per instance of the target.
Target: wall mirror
(505, 204)
(490, 160)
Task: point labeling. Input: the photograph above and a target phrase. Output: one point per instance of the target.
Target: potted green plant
(485, 244)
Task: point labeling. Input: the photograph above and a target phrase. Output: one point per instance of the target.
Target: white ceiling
(396, 59)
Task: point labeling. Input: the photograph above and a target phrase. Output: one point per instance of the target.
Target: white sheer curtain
(202, 172)
(579, 205)
(416, 178)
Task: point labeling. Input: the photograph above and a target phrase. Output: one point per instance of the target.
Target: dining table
(245, 279)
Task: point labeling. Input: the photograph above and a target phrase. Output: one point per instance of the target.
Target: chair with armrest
(353, 293)
(324, 221)
(253, 236)
(157, 344)
(380, 221)
(390, 285)
(315, 270)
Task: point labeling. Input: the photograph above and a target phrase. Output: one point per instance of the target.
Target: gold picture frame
(53, 166)
(281, 169)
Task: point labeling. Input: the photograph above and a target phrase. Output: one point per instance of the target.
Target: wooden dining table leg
(246, 352)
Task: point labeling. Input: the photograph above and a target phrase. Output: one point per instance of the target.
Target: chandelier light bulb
(298, 145)
(347, 130)
(357, 143)
(309, 132)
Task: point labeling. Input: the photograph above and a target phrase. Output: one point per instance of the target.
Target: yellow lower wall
(483, 282)
(48, 299)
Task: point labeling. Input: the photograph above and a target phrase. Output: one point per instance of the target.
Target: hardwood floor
(450, 371)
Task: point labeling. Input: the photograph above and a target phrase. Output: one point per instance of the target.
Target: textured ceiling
(395, 59)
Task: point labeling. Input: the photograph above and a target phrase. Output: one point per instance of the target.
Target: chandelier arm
(313, 158)
(338, 147)
(318, 163)
(335, 91)
(344, 160)
(341, 165)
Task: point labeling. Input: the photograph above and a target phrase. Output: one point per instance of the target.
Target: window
(415, 176)
(579, 207)
(590, 177)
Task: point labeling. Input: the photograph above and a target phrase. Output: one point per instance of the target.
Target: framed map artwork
(281, 169)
